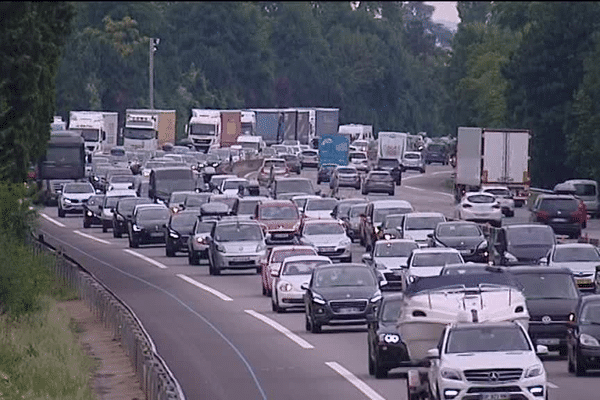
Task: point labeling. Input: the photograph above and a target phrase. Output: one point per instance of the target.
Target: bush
(16, 217)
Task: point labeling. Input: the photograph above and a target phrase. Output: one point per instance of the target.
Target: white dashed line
(143, 257)
(292, 336)
(202, 286)
(55, 222)
(85, 235)
(552, 385)
(430, 191)
(350, 377)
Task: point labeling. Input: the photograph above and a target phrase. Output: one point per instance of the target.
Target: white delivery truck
(493, 157)
(248, 122)
(98, 129)
(357, 131)
(391, 145)
(148, 129)
(204, 128)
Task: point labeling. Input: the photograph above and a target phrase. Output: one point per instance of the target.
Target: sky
(444, 11)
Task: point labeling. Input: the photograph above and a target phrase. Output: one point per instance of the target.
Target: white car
(72, 197)
(389, 256)
(287, 281)
(480, 207)
(359, 160)
(413, 160)
(418, 225)
(319, 208)
(231, 186)
(430, 261)
(494, 360)
(329, 237)
(505, 198)
(581, 258)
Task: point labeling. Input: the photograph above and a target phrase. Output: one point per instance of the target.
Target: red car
(280, 219)
(275, 257)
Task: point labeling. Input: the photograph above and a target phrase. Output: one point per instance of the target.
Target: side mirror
(366, 258)
(112, 210)
(430, 235)
(541, 350)
(274, 273)
(267, 237)
(98, 191)
(304, 286)
(404, 266)
(435, 353)
(318, 192)
(100, 207)
(382, 282)
(543, 261)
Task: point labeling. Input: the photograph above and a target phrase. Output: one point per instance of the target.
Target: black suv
(562, 212)
(520, 244)
(392, 165)
(123, 211)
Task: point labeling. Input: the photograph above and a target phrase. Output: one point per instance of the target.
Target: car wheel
(117, 233)
(380, 372)
(365, 192)
(314, 326)
(306, 322)
(133, 242)
(422, 170)
(392, 192)
(61, 213)
(580, 369)
(274, 306)
(104, 228)
(169, 251)
(371, 363)
(86, 223)
(570, 366)
(348, 259)
(318, 181)
(496, 224)
(563, 351)
(258, 270)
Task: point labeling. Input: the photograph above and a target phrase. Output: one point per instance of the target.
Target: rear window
(481, 199)
(412, 156)
(553, 205)
(585, 189)
(346, 171)
(275, 163)
(380, 177)
(281, 255)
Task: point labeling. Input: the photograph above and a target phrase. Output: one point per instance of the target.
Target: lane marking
(442, 172)
(202, 286)
(143, 257)
(552, 385)
(350, 377)
(85, 235)
(430, 191)
(282, 329)
(416, 188)
(55, 222)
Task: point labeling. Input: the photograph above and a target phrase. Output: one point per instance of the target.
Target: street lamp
(153, 43)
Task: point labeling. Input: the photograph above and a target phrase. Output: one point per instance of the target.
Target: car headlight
(89, 213)
(452, 374)
(388, 236)
(221, 248)
(345, 242)
(389, 338)
(376, 297)
(318, 299)
(483, 245)
(200, 240)
(160, 201)
(67, 200)
(285, 286)
(261, 247)
(96, 179)
(173, 234)
(136, 228)
(509, 257)
(587, 340)
(175, 210)
(534, 370)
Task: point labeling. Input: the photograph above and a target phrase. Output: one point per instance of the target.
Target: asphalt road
(219, 335)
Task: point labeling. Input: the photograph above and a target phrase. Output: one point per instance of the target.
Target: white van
(255, 143)
(586, 190)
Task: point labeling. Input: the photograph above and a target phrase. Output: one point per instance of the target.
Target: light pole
(153, 43)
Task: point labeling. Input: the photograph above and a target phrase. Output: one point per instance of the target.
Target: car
(551, 295)
(561, 212)
(178, 231)
(352, 224)
(386, 349)
(342, 209)
(91, 211)
(275, 257)
(293, 162)
(123, 212)
(480, 207)
(271, 168)
(198, 242)
(231, 186)
(378, 182)
(520, 244)
(505, 198)
(430, 261)
(374, 216)
(223, 198)
(73, 196)
(413, 160)
(389, 257)
(280, 219)
(344, 294)
(502, 361)
(583, 336)
(569, 189)
(193, 201)
(391, 227)
(284, 188)
(391, 165)
(436, 153)
(359, 160)
(236, 245)
(464, 236)
(177, 199)
(345, 176)
(245, 207)
(300, 200)
(287, 292)
(325, 172)
(216, 180)
(419, 225)
(583, 259)
(320, 208)
(122, 182)
(328, 237)
(309, 158)
(147, 224)
(109, 203)
(586, 190)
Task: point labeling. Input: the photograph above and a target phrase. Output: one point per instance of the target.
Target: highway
(222, 341)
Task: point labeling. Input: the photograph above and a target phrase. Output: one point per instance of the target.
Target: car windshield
(499, 192)
(421, 223)
(346, 171)
(343, 208)
(238, 233)
(480, 339)
(280, 255)
(379, 177)
(122, 179)
(458, 230)
(435, 259)
(344, 276)
(235, 184)
(320, 204)
(548, 286)
(274, 163)
(554, 205)
(564, 254)
(204, 227)
(399, 249)
(324, 229)
(590, 313)
(111, 201)
(125, 206)
(195, 201)
(585, 189)
(295, 186)
(302, 267)
(279, 212)
(380, 214)
(177, 198)
(78, 188)
(530, 235)
(481, 199)
(247, 207)
(356, 210)
(154, 214)
(391, 310)
(184, 220)
(388, 163)
(309, 153)
(393, 221)
(412, 156)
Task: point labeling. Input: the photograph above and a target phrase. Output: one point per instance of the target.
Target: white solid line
(292, 336)
(552, 385)
(350, 377)
(442, 172)
(202, 286)
(55, 222)
(91, 237)
(143, 257)
(415, 188)
(430, 191)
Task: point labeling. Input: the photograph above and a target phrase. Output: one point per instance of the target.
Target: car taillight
(542, 216)
(496, 206)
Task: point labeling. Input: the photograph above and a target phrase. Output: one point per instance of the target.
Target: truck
(98, 129)
(326, 121)
(149, 129)
(357, 131)
(248, 122)
(58, 124)
(268, 123)
(487, 156)
(391, 145)
(334, 149)
(231, 127)
(63, 162)
(304, 125)
(204, 128)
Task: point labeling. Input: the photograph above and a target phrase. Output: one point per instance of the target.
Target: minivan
(586, 190)
(164, 181)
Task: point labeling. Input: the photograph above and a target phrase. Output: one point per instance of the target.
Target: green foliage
(16, 218)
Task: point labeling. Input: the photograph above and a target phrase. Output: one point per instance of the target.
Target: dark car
(436, 153)
(284, 188)
(91, 211)
(147, 224)
(292, 162)
(583, 336)
(344, 294)
(342, 209)
(551, 295)
(520, 244)
(246, 206)
(325, 172)
(391, 227)
(561, 212)
(386, 350)
(378, 182)
(464, 236)
(391, 165)
(178, 231)
(345, 177)
(123, 212)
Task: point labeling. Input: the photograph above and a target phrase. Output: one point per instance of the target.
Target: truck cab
(204, 128)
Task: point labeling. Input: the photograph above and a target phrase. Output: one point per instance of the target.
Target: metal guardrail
(156, 380)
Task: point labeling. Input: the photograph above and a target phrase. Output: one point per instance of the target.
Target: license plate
(242, 259)
(280, 235)
(465, 252)
(157, 234)
(584, 281)
(548, 342)
(348, 310)
(326, 249)
(559, 220)
(495, 396)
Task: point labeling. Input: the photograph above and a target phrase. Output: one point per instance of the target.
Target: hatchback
(480, 207)
(561, 212)
(378, 182)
